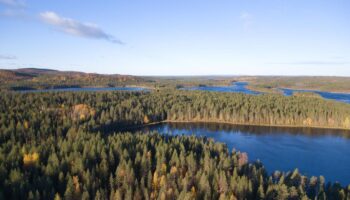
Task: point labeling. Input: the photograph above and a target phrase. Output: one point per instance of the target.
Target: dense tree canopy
(323, 83)
(108, 110)
(55, 145)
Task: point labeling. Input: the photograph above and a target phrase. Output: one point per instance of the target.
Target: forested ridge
(55, 145)
(35, 78)
(108, 110)
(322, 83)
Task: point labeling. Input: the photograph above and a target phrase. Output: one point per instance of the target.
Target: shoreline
(317, 90)
(240, 124)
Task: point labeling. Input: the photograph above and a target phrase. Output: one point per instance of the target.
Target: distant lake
(314, 152)
(343, 97)
(240, 87)
(88, 89)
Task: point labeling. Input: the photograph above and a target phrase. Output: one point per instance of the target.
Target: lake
(240, 87)
(237, 87)
(343, 97)
(314, 152)
(88, 89)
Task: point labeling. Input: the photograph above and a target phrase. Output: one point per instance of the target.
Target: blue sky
(178, 37)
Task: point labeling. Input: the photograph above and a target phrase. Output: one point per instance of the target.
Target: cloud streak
(76, 28)
(247, 19)
(312, 62)
(15, 13)
(319, 63)
(13, 3)
(7, 57)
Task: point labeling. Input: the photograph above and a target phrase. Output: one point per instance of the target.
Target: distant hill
(37, 71)
(33, 72)
(48, 78)
(322, 83)
(36, 78)
(13, 75)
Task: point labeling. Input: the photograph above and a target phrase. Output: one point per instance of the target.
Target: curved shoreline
(233, 123)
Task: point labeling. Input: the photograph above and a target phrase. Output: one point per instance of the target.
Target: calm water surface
(343, 97)
(314, 152)
(237, 87)
(240, 87)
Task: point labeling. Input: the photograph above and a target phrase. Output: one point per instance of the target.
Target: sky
(178, 37)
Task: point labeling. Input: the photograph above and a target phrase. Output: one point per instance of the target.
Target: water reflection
(241, 87)
(236, 87)
(342, 97)
(261, 130)
(313, 151)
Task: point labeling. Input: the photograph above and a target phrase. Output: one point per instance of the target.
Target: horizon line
(178, 75)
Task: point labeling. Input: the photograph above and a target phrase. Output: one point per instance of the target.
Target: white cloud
(15, 13)
(14, 9)
(7, 57)
(76, 28)
(247, 19)
(14, 3)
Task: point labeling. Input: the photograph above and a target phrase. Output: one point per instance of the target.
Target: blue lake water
(237, 87)
(327, 95)
(240, 87)
(314, 152)
(88, 89)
